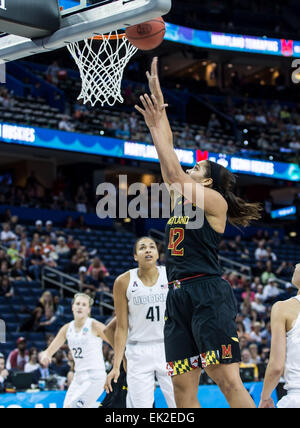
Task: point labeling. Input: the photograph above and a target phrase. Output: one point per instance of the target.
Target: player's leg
(164, 380)
(71, 393)
(140, 377)
(227, 377)
(215, 332)
(89, 390)
(186, 388)
(181, 350)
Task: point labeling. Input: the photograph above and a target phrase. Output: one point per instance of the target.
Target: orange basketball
(148, 35)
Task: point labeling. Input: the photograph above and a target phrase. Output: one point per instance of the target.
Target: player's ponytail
(240, 212)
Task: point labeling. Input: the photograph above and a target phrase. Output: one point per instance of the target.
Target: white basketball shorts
(85, 390)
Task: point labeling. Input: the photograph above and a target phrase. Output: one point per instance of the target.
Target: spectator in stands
(260, 292)
(70, 223)
(213, 122)
(262, 143)
(97, 270)
(81, 200)
(255, 333)
(80, 223)
(6, 289)
(7, 236)
(255, 358)
(47, 244)
(258, 269)
(244, 343)
(66, 125)
(261, 253)
(86, 281)
(45, 301)
(36, 263)
(271, 255)
(275, 240)
(5, 269)
(19, 272)
(61, 248)
(24, 248)
(246, 363)
(49, 232)
(33, 363)
(35, 243)
(38, 227)
(80, 258)
(59, 309)
(4, 373)
(3, 256)
(271, 291)
(286, 269)
(48, 319)
(48, 259)
(268, 273)
(241, 330)
(59, 366)
(256, 283)
(52, 73)
(18, 357)
(13, 253)
(32, 323)
(266, 335)
(258, 306)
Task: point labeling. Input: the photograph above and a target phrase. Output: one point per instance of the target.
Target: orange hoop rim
(109, 36)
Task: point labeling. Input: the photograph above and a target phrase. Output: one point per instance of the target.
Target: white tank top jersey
(86, 348)
(292, 365)
(146, 308)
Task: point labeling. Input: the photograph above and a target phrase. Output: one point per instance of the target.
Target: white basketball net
(101, 64)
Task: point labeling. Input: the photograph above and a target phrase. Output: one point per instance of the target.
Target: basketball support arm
(81, 25)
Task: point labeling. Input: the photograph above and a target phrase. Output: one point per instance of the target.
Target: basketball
(148, 35)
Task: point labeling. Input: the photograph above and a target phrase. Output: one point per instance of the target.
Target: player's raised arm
(154, 115)
(57, 343)
(278, 355)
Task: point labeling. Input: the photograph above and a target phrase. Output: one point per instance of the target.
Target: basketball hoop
(101, 61)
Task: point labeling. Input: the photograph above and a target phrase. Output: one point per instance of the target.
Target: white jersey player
(84, 336)
(140, 302)
(285, 351)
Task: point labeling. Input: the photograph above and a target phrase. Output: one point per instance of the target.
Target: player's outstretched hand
(267, 404)
(112, 376)
(44, 358)
(152, 112)
(154, 83)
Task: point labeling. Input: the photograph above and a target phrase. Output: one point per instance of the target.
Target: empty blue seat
(5, 310)
(6, 348)
(9, 318)
(36, 337)
(12, 326)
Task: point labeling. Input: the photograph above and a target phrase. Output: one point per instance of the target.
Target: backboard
(71, 6)
(82, 19)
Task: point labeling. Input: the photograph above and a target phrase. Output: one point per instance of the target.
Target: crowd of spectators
(23, 257)
(256, 292)
(63, 195)
(265, 127)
